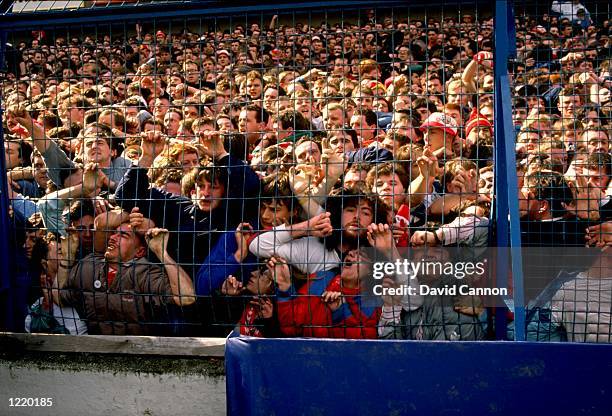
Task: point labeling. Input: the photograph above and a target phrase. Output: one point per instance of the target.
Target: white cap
(442, 121)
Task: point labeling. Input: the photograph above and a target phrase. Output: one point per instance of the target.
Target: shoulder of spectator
(121, 162)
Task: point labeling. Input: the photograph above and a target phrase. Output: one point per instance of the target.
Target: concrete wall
(103, 384)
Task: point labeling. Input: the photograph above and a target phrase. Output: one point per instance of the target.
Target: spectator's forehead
(595, 135)
(305, 146)
(125, 230)
(361, 203)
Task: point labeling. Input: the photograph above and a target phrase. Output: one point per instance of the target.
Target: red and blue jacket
(302, 312)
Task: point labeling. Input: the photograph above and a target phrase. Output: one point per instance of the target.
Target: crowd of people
(183, 183)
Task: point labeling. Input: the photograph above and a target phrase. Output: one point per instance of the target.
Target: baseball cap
(442, 121)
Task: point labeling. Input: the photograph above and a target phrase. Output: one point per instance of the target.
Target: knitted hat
(476, 119)
(441, 120)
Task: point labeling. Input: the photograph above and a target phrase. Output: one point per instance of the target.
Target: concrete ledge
(122, 375)
(105, 384)
(114, 344)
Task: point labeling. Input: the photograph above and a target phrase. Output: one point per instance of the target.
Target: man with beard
(320, 242)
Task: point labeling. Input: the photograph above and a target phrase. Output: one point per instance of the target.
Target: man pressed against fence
(120, 291)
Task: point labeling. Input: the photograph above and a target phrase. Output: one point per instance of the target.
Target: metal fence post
(506, 183)
(5, 247)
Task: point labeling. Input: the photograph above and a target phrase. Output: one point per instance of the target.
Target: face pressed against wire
(355, 219)
(123, 245)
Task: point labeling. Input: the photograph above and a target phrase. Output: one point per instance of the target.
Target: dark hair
(424, 102)
(343, 198)
(262, 115)
(293, 119)
(40, 251)
(520, 102)
(25, 151)
(370, 116)
(276, 187)
(550, 187)
(384, 169)
(354, 137)
(80, 209)
(106, 133)
(212, 174)
(585, 110)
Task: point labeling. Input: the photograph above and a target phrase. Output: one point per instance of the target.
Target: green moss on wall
(109, 363)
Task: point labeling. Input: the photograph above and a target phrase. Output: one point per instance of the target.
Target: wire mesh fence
(294, 173)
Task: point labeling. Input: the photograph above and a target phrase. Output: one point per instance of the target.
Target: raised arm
(68, 248)
(37, 132)
(225, 259)
(181, 285)
(51, 206)
(422, 185)
(333, 165)
(471, 70)
(265, 244)
(55, 158)
(300, 181)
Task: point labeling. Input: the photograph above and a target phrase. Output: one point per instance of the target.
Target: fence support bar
(6, 319)
(506, 184)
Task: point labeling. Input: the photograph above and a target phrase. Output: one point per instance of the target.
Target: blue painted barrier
(343, 377)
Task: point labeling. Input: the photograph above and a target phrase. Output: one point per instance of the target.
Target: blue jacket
(369, 154)
(192, 231)
(220, 263)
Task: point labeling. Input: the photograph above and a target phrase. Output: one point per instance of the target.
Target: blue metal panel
(332, 377)
(6, 257)
(506, 186)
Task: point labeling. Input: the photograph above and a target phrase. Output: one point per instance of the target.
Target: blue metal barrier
(6, 317)
(506, 188)
(331, 377)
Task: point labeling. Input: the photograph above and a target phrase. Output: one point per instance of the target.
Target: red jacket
(303, 313)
